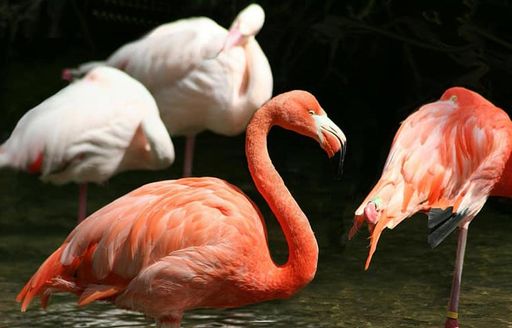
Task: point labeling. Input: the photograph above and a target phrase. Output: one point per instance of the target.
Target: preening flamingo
(202, 76)
(175, 245)
(446, 159)
(105, 123)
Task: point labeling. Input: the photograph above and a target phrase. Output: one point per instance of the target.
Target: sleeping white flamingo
(105, 123)
(202, 76)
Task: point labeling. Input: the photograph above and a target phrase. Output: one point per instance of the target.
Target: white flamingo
(105, 123)
(202, 76)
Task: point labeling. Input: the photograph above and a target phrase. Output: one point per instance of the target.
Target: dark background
(370, 64)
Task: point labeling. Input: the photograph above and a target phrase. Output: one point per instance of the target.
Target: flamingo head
(67, 75)
(72, 74)
(464, 97)
(303, 114)
(370, 215)
(247, 24)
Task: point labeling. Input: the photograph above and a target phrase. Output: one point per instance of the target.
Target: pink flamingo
(446, 159)
(202, 76)
(175, 245)
(95, 127)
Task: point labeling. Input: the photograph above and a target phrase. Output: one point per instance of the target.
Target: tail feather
(41, 280)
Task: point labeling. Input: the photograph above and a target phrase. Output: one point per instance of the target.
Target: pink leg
(189, 156)
(82, 202)
(170, 322)
(453, 306)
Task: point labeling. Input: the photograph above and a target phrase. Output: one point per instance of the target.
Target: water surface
(407, 284)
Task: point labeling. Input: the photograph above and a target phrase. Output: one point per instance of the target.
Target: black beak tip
(338, 159)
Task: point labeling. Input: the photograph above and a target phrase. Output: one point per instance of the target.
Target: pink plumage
(446, 160)
(171, 246)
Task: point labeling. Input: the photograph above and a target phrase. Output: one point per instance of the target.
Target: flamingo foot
(451, 323)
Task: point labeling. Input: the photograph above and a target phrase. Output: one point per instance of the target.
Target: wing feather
(443, 155)
(136, 230)
(112, 247)
(179, 47)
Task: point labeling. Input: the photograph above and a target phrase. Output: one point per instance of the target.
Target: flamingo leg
(189, 156)
(170, 322)
(82, 202)
(453, 305)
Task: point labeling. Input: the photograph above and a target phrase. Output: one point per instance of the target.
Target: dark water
(407, 284)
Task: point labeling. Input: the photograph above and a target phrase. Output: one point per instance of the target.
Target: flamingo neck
(302, 260)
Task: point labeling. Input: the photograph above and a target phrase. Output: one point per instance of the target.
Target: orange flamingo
(175, 245)
(446, 159)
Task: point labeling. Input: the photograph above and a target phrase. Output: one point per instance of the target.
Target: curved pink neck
(302, 247)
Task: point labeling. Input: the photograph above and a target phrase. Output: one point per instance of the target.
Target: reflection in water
(407, 284)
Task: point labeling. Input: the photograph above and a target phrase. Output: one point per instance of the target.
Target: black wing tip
(437, 216)
(441, 223)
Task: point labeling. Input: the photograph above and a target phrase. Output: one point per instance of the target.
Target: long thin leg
(453, 306)
(82, 202)
(189, 156)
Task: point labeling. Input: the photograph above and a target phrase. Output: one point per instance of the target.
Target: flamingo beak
(332, 140)
(339, 159)
(234, 38)
(67, 75)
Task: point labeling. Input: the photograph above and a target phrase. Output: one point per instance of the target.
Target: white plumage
(105, 123)
(202, 76)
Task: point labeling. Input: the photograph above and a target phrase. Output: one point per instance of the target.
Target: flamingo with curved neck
(176, 245)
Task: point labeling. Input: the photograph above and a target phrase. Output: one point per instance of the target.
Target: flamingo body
(203, 77)
(198, 85)
(98, 126)
(446, 160)
(175, 245)
(178, 239)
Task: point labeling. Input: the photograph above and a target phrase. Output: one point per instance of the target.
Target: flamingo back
(196, 84)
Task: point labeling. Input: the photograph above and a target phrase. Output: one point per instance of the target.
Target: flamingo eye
(311, 112)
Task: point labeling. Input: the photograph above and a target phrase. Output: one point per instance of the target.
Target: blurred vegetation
(370, 63)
